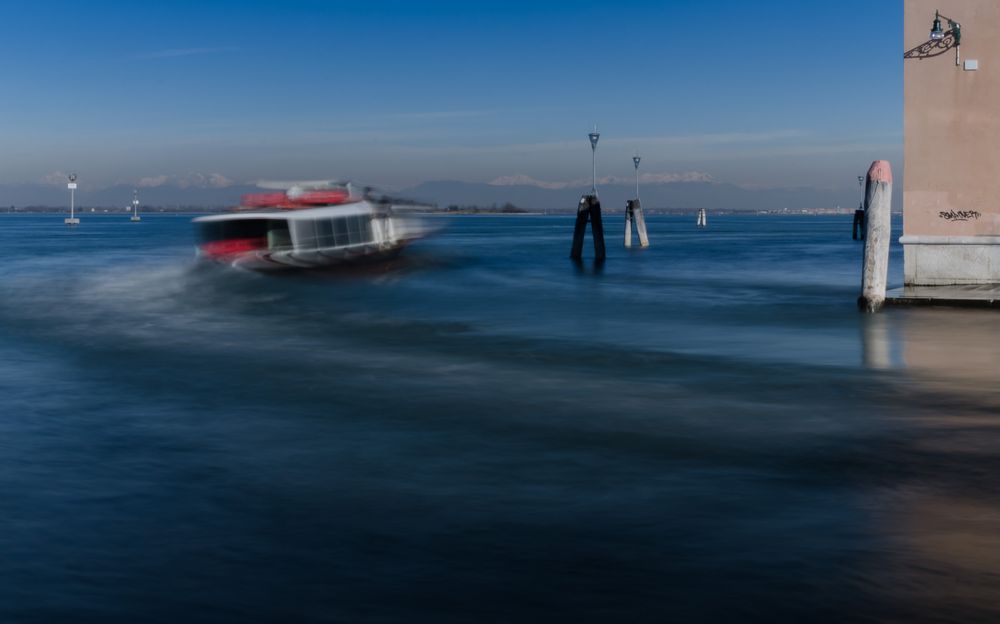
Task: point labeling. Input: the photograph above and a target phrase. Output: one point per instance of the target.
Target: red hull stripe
(223, 248)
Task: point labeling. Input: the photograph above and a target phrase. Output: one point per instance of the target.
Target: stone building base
(942, 260)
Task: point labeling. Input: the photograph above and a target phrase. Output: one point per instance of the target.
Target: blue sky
(779, 93)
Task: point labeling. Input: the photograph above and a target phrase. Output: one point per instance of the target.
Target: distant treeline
(172, 208)
(507, 208)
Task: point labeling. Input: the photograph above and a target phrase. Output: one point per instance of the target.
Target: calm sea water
(705, 430)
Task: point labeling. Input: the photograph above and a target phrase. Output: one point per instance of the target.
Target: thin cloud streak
(725, 138)
(696, 147)
(648, 178)
(178, 52)
(435, 115)
(699, 140)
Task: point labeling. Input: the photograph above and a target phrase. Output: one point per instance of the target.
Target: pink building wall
(951, 194)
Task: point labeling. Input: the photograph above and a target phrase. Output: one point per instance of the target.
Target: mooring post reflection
(876, 342)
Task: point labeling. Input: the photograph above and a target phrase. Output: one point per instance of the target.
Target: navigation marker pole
(72, 220)
(594, 136)
(135, 206)
(633, 210)
(589, 209)
(858, 229)
(628, 205)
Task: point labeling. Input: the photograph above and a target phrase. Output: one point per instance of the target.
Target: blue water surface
(483, 431)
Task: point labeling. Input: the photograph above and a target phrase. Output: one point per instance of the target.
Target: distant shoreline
(820, 212)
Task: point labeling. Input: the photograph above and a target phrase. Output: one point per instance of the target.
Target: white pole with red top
(878, 231)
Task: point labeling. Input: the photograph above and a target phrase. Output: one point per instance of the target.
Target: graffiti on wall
(959, 215)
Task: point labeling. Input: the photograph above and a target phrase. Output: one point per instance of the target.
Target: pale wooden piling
(878, 231)
(628, 223)
(702, 218)
(640, 223)
(633, 212)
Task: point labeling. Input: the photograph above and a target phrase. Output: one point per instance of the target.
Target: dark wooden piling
(589, 209)
(858, 229)
(582, 216)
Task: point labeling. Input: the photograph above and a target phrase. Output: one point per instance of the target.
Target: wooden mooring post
(878, 231)
(858, 229)
(633, 212)
(589, 209)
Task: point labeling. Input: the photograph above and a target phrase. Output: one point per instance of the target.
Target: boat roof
(284, 185)
(303, 213)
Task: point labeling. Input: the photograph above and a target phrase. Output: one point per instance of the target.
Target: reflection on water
(942, 521)
(953, 347)
(704, 431)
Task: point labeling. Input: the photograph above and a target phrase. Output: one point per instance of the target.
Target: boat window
(233, 229)
(249, 228)
(278, 236)
(305, 233)
(340, 231)
(324, 233)
(354, 229)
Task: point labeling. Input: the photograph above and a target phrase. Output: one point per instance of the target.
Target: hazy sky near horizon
(768, 93)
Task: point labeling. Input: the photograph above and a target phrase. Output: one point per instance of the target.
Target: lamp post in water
(72, 220)
(858, 228)
(594, 136)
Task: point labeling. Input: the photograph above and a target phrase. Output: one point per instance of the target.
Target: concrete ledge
(983, 296)
(949, 240)
(945, 260)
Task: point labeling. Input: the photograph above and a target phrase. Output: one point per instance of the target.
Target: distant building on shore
(951, 192)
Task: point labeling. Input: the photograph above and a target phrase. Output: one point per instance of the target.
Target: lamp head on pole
(594, 136)
(635, 160)
(72, 177)
(936, 31)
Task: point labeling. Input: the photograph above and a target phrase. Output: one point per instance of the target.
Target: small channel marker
(72, 220)
(135, 206)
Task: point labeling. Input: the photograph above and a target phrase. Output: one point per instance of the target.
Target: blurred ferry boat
(308, 225)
